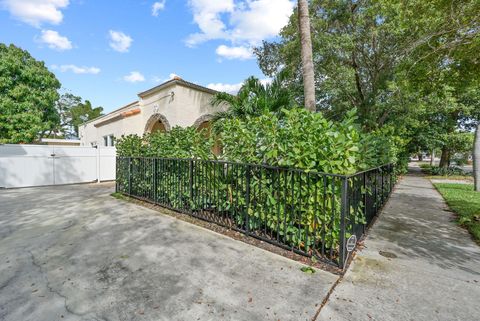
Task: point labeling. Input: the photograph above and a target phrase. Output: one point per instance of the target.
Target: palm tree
(476, 158)
(254, 98)
(306, 50)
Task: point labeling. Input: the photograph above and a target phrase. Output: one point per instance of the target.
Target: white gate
(37, 165)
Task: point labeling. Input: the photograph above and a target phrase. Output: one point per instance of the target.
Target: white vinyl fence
(38, 165)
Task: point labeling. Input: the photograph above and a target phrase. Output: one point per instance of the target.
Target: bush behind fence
(308, 212)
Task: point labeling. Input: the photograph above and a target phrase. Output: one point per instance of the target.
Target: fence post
(191, 180)
(97, 163)
(344, 208)
(392, 173)
(247, 197)
(116, 173)
(383, 184)
(365, 200)
(154, 175)
(129, 176)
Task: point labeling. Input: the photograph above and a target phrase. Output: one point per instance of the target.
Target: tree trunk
(307, 60)
(445, 158)
(420, 157)
(432, 157)
(476, 158)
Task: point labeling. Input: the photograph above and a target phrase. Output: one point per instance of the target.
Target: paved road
(76, 253)
(416, 265)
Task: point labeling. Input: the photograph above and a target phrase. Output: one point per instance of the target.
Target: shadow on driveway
(76, 253)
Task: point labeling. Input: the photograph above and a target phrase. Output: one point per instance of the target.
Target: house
(173, 103)
(59, 142)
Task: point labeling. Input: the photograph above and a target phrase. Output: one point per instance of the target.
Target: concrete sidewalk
(416, 264)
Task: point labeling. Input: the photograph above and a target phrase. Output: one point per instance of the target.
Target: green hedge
(309, 204)
(293, 138)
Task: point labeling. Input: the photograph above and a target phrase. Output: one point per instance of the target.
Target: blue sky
(108, 51)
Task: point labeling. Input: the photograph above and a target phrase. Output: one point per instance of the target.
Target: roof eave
(180, 82)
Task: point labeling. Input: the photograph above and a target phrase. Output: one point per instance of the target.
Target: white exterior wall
(191, 104)
(90, 134)
(183, 109)
(162, 102)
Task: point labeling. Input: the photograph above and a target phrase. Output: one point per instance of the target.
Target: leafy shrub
(130, 146)
(297, 138)
(177, 143)
(309, 203)
(461, 159)
(382, 147)
(300, 209)
(442, 171)
(425, 167)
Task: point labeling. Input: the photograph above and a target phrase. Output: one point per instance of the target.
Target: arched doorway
(205, 123)
(157, 123)
(158, 127)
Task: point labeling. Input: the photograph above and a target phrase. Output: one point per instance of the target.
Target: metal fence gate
(38, 165)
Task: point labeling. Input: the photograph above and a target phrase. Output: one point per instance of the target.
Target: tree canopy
(407, 65)
(28, 92)
(30, 105)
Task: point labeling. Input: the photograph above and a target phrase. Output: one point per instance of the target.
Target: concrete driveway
(76, 253)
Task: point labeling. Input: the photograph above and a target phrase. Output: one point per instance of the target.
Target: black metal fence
(310, 213)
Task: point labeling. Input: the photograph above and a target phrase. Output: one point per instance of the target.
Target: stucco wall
(89, 134)
(183, 108)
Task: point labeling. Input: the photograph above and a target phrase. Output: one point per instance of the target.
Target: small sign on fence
(351, 243)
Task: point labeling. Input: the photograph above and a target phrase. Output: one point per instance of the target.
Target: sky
(108, 51)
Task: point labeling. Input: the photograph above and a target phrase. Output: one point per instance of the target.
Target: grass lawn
(452, 177)
(465, 202)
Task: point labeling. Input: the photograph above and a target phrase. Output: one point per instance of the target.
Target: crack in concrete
(56, 292)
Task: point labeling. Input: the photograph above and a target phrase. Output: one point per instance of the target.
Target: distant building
(59, 142)
(174, 103)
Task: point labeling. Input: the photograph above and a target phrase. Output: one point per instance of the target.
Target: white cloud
(77, 70)
(119, 41)
(233, 88)
(157, 7)
(55, 41)
(228, 88)
(134, 76)
(243, 23)
(241, 53)
(36, 12)
(162, 80)
(207, 15)
(260, 19)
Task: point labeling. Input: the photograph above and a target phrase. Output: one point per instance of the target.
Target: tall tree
(368, 53)
(81, 113)
(72, 112)
(64, 104)
(401, 64)
(476, 158)
(307, 55)
(28, 91)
